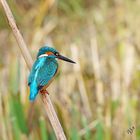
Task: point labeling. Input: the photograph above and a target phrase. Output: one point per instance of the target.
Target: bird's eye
(56, 53)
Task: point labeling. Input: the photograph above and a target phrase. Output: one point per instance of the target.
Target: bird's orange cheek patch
(49, 53)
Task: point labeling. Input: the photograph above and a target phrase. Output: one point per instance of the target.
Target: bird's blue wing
(47, 72)
(32, 80)
(34, 71)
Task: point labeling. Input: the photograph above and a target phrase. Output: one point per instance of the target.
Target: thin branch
(21, 43)
(29, 61)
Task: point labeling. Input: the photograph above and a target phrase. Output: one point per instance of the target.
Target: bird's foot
(44, 91)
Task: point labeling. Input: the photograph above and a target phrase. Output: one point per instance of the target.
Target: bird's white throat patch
(43, 55)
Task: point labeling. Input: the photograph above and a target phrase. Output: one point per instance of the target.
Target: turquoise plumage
(44, 69)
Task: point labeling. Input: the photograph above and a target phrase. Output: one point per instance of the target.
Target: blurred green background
(96, 99)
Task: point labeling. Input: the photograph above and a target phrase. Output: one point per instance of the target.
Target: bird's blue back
(42, 72)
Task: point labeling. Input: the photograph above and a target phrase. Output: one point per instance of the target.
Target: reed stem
(29, 61)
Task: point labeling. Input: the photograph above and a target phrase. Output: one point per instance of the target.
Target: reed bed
(98, 98)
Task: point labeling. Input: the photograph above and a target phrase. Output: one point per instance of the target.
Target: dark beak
(65, 58)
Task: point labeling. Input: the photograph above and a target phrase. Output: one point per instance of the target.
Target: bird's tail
(33, 91)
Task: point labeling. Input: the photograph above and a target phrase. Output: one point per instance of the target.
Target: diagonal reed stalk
(29, 61)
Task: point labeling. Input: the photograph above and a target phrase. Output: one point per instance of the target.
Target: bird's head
(52, 53)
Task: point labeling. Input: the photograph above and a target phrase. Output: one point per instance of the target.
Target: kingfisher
(44, 70)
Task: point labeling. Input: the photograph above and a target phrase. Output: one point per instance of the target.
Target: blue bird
(44, 70)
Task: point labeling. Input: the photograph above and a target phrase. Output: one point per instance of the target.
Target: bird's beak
(65, 58)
